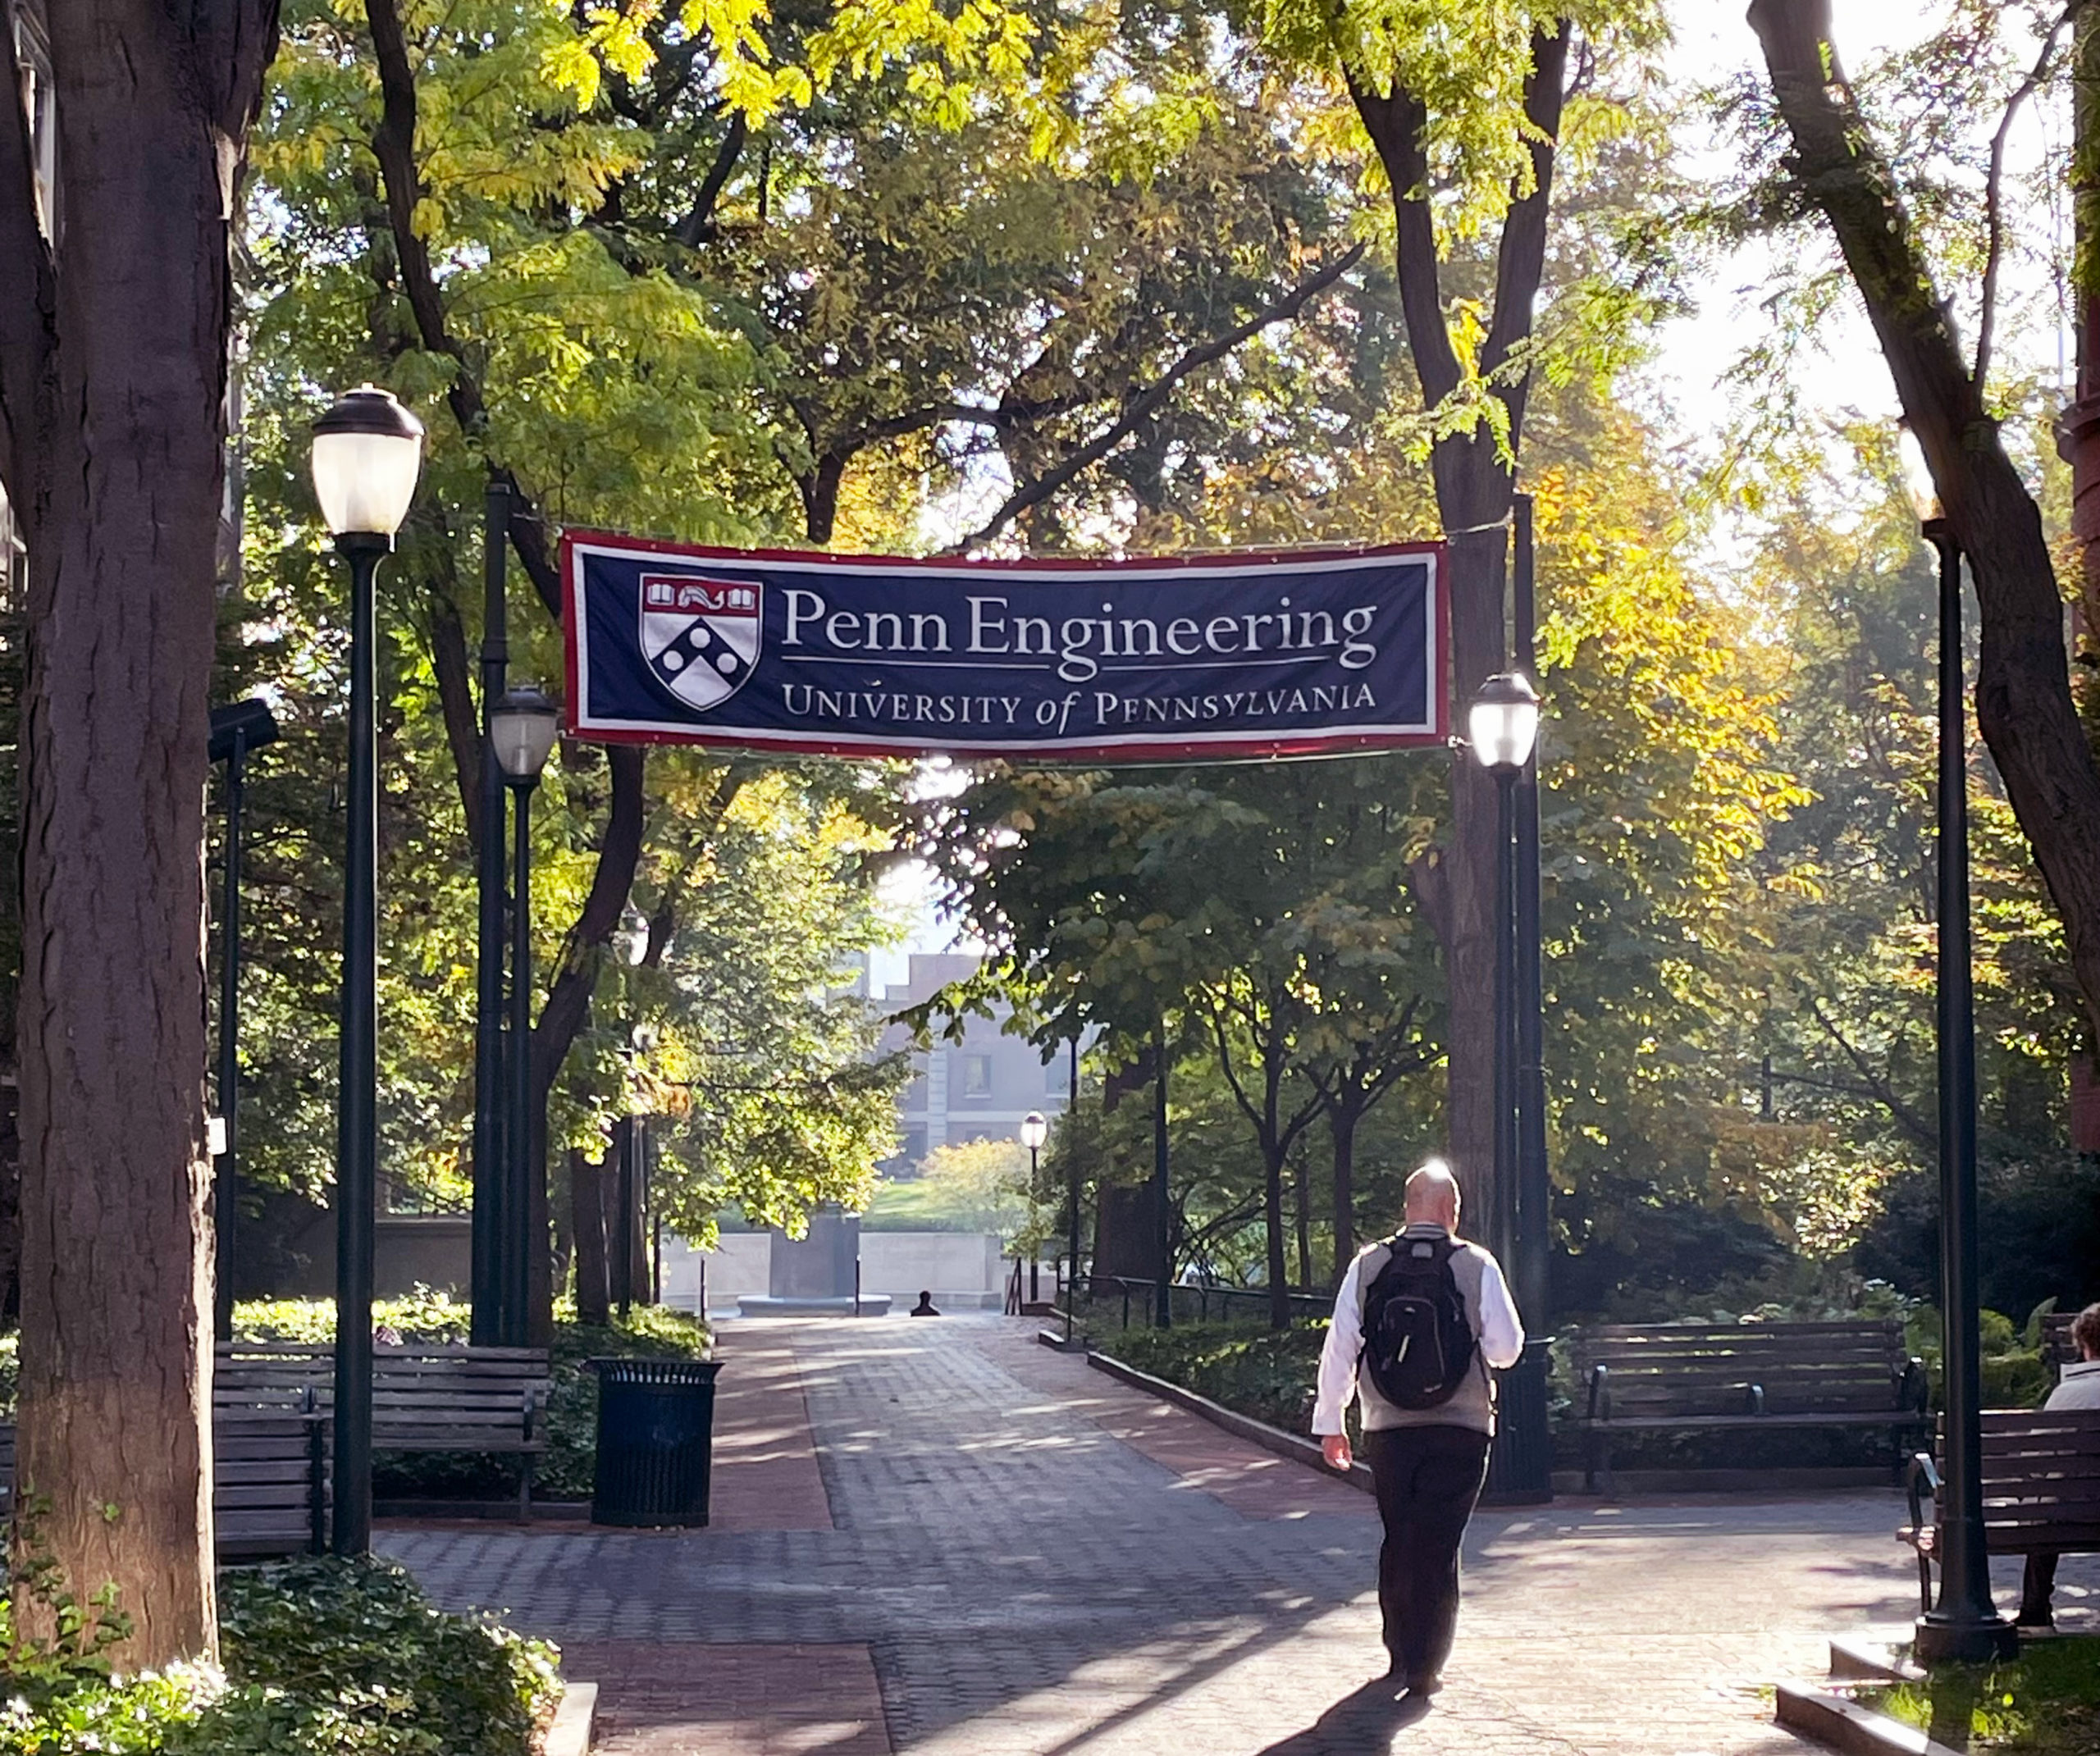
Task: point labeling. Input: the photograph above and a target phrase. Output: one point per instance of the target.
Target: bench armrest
(1753, 1398)
(1921, 1482)
(1913, 1390)
(1599, 1392)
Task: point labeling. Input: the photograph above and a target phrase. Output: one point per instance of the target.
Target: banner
(1202, 658)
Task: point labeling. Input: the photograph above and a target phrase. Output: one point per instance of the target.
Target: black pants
(1427, 1478)
(2038, 1587)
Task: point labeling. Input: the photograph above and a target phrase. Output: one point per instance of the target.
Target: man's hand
(1335, 1451)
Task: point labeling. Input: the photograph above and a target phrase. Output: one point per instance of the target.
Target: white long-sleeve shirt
(1497, 1326)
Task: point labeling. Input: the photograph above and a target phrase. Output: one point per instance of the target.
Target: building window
(977, 1076)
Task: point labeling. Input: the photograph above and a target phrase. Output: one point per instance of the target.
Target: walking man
(1418, 1321)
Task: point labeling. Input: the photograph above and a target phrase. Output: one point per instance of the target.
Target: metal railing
(1195, 1304)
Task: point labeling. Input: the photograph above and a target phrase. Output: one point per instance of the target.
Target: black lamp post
(367, 452)
(632, 940)
(1965, 1625)
(490, 1321)
(1502, 725)
(522, 731)
(235, 731)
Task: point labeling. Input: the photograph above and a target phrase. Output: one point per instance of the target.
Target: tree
(2024, 702)
(113, 336)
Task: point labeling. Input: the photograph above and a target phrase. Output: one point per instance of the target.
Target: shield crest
(700, 636)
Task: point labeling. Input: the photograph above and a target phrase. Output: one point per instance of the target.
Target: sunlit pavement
(940, 1537)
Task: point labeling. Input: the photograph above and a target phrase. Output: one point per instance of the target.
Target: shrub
(1266, 1373)
(321, 1658)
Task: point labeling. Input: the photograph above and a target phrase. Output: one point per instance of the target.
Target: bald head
(1432, 1197)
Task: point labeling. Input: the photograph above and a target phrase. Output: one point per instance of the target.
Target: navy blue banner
(1210, 657)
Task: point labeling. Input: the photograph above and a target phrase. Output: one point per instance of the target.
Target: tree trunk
(1279, 1266)
(1473, 490)
(1341, 1130)
(2079, 428)
(2023, 704)
(112, 399)
(586, 1184)
(1301, 1200)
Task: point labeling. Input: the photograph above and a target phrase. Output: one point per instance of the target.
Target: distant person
(924, 1307)
(1419, 1319)
(2079, 1388)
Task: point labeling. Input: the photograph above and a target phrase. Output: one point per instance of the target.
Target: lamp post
(235, 731)
(368, 453)
(1502, 725)
(631, 939)
(1965, 1625)
(521, 733)
(1034, 1132)
(490, 1321)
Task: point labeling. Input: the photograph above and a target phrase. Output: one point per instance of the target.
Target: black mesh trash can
(655, 1442)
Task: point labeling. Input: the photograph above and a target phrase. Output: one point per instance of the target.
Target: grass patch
(2045, 1702)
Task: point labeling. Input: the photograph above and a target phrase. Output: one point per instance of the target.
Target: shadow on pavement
(1364, 1720)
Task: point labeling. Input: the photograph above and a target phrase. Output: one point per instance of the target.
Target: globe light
(523, 729)
(1033, 1130)
(1503, 722)
(368, 453)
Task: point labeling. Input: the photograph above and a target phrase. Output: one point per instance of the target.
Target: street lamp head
(1503, 723)
(1917, 484)
(523, 728)
(246, 725)
(1033, 1130)
(367, 452)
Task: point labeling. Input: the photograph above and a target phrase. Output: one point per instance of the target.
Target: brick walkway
(1004, 1553)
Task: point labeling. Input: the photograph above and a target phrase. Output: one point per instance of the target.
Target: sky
(1711, 42)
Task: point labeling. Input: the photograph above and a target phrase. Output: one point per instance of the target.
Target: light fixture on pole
(368, 453)
(1503, 724)
(522, 731)
(235, 731)
(1965, 1625)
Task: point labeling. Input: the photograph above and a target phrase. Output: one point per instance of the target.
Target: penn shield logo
(700, 636)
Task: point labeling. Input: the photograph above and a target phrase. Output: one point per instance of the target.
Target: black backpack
(1417, 1341)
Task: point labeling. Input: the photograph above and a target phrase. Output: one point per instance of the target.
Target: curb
(570, 1734)
(1289, 1445)
(1841, 1725)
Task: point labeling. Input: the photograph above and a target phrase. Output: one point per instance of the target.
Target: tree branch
(697, 227)
(1395, 122)
(1140, 407)
(1877, 1087)
(2024, 700)
(1994, 191)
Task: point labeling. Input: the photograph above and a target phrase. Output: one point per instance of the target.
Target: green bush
(1266, 1373)
(321, 1658)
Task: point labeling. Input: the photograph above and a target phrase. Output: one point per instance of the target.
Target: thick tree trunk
(2024, 702)
(1277, 1258)
(1301, 1196)
(1473, 490)
(586, 1184)
(112, 385)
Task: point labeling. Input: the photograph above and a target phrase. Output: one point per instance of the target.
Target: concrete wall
(964, 1268)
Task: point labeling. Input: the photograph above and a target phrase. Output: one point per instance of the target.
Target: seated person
(924, 1307)
(2079, 1388)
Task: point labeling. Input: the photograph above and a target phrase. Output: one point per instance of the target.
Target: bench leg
(525, 1487)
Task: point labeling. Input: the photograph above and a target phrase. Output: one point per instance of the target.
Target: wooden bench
(1714, 1377)
(425, 1396)
(271, 1482)
(2041, 1488)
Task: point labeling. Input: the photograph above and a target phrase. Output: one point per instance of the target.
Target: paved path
(940, 1538)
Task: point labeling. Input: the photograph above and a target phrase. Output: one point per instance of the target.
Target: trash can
(655, 1441)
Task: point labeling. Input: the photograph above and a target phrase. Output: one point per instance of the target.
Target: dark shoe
(1424, 1683)
(2039, 1620)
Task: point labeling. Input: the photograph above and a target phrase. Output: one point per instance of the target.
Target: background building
(978, 1089)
